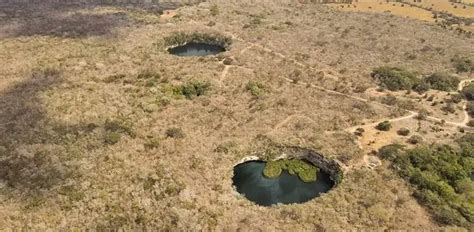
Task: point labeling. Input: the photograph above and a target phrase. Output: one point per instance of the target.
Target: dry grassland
(86, 104)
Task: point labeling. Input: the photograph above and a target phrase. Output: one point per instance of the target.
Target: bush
(403, 132)
(468, 91)
(112, 138)
(359, 131)
(463, 63)
(449, 107)
(256, 88)
(193, 89)
(470, 108)
(422, 87)
(415, 139)
(442, 81)
(471, 123)
(176, 133)
(394, 78)
(384, 126)
(390, 152)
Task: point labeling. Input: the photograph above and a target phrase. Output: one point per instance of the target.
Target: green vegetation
(192, 89)
(463, 63)
(468, 91)
(441, 176)
(442, 81)
(181, 38)
(395, 78)
(112, 138)
(384, 126)
(256, 88)
(305, 171)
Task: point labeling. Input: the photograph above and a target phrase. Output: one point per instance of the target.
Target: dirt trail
(410, 116)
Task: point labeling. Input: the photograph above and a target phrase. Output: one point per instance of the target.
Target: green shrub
(192, 89)
(403, 132)
(176, 133)
(112, 138)
(384, 126)
(395, 78)
(390, 152)
(422, 87)
(468, 91)
(415, 139)
(256, 88)
(442, 81)
(463, 63)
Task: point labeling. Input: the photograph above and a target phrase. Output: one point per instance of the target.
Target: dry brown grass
(58, 173)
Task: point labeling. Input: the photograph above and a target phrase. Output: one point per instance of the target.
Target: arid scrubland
(102, 129)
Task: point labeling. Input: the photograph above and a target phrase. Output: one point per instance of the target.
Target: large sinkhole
(196, 49)
(284, 186)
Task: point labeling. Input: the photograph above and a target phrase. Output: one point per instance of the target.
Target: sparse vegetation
(192, 89)
(463, 63)
(257, 89)
(181, 38)
(176, 133)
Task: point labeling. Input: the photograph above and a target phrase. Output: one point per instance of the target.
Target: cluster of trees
(396, 78)
(441, 175)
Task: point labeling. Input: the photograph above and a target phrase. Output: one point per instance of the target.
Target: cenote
(196, 49)
(285, 189)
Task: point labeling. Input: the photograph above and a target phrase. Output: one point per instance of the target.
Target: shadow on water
(196, 49)
(34, 153)
(286, 189)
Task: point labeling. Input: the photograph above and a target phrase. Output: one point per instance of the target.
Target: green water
(286, 189)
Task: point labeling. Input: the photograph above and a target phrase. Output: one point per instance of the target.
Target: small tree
(384, 126)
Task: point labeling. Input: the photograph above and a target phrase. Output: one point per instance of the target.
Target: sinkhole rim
(331, 177)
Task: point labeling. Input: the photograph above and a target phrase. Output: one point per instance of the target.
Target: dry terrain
(94, 137)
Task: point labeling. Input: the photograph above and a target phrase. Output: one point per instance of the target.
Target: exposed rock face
(330, 166)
